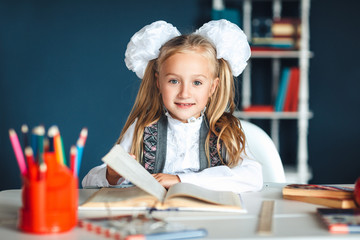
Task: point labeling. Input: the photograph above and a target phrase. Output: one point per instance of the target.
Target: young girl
(182, 128)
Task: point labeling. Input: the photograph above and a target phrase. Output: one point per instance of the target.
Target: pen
(18, 151)
(185, 234)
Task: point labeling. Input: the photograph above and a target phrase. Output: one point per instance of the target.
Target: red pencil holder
(49, 200)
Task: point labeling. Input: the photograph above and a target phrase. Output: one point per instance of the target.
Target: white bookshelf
(300, 173)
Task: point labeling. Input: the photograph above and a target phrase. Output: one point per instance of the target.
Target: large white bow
(229, 40)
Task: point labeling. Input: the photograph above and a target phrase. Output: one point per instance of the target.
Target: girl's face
(186, 81)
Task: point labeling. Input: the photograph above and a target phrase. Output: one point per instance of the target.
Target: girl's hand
(112, 176)
(166, 180)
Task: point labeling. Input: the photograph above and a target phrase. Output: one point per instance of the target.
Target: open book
(149, 193)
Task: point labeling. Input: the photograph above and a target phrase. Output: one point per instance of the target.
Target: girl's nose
(185, 91)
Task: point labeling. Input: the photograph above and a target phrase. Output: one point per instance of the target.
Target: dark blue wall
(61, 62)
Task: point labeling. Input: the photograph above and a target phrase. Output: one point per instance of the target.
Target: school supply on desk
(326, 195)
(136, 227)
(328, 202)
(149, 193)
(50, 189)
(340, 220)
(266, 217)
(313, 190)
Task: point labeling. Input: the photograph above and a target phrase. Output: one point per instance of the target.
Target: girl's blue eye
(197, 83)
(173, 81)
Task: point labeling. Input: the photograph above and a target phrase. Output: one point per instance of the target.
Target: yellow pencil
(58, 146)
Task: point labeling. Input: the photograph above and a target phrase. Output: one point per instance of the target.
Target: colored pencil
(50, 136)
(34, 143)
(32, 169)
(18, 151)
(58, 146)
(25, 132)
(73, 153)
(83, 135)
(42, 171)
(80, 149)
(40, 132)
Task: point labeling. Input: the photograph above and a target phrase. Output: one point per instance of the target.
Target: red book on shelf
(292, 94)
(259, 108)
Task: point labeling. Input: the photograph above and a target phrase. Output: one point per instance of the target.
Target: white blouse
(182, 156)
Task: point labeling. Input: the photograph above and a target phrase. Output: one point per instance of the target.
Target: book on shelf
(259, 108)
(316, 190)
(286, 27)
(150, 194)
(292, 93)
(282, 43)
(340, 221)
(283, 86)
(328, 202)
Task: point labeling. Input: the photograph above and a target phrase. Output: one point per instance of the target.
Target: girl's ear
(214, 86)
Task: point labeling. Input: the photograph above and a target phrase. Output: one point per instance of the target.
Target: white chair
(264, 151)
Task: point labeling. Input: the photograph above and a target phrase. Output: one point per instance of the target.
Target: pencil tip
(28, 151)
(53, 130)
(24, 128)
(39, 130)
(12, 131)
(84, 132)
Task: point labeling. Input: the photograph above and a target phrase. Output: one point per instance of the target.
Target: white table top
(292, 219)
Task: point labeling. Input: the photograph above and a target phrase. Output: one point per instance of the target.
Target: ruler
(265, 217)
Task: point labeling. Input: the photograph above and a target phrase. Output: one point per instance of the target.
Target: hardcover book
(313, 190)
(340, 220)
(328, 202)
(150, 194)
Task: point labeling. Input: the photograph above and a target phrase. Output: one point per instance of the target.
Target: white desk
(292, 219)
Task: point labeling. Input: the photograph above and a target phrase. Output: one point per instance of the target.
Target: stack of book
(325, 195)
(276, 34)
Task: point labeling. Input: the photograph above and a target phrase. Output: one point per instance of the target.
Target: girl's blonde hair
(148, 106)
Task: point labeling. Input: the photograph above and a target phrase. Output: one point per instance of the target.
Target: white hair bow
(229, 40)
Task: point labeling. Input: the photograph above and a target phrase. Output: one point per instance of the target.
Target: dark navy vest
(155, 142)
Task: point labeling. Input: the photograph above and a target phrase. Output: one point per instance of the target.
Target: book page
(119, 160)
(216, 197)
(132, 197)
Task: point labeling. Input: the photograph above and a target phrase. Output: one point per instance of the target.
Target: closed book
(316, 190)
(292, 94)
(328, 202)
(286, 27)
(340, 221)
(283, 86)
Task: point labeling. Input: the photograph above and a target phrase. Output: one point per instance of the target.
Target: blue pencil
(80, 149)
